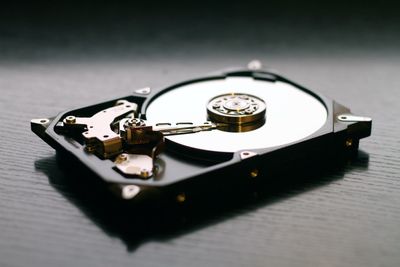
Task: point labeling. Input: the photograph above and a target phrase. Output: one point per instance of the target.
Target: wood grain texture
(348, 217)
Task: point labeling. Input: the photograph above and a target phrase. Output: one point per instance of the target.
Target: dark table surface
(56, 57)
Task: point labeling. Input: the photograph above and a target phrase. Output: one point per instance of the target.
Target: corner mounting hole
(105, 136)
(43, 121)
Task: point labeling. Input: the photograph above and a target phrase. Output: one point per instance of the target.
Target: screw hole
(105, 136)
(43, 121)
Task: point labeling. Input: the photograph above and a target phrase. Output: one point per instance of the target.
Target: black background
(59, 55)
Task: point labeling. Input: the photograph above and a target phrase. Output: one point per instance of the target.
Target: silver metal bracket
(352, 118)
(143, 91)
(247, 154)
(135, 165)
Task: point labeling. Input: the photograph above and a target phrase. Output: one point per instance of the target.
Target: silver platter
(291, 113)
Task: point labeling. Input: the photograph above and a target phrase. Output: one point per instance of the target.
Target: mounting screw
(349, 142)
(136, 122)
(123, 157)
(70, 119)
(145, 173)
(254, 173)
(180, 198)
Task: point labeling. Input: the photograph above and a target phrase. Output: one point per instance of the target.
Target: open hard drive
(227, 129)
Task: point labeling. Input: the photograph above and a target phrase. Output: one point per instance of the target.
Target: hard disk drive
(227, 129)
